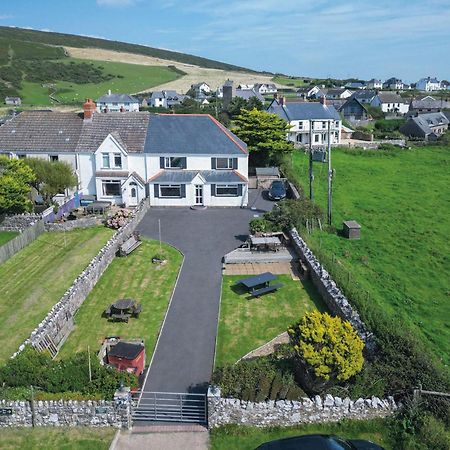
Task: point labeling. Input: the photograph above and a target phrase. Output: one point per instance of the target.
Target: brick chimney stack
(323, 100)
(282, 101)
(89, 109)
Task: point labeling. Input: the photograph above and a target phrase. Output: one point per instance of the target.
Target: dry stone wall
(19, 222)
(84, 222)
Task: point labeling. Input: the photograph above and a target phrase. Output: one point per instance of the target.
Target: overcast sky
(365, 38)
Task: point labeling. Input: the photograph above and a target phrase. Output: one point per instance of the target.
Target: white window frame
(168, 162)
(229, 163)
(115, 155)
(106, 155)
(300, 125)
(115, 182)
(161, 186)
(227, 186)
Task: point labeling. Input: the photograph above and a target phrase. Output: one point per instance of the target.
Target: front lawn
(79, 438)
(133, 277)
(35, 278)
(6, 236)
(245, 324)
(248, 438)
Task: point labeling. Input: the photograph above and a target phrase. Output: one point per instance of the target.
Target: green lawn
(34, 279)
(248, 438)
(134, 78)
(79, 438)
(6, 236)
(402, 201)
(132, 277)
(245, 324)
(293, 82)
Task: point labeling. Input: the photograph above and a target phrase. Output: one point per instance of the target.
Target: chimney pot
(323, 100)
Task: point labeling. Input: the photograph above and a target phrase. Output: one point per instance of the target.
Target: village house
(374, 84)
(390, 102)
(356, 85)
(335, 94)
(428, 127)
(310, 92)
(229, 92)
(117, 103)
(200, 91)
(165, 99)
(265, 88)
(393, 84)
(16, 101)
(365, 96)
(428, 104)
(309, 119)
(354, 110)
(428, 84)
(175, 160)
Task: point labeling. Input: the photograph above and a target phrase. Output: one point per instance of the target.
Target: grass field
(402, 201)
(6, 236)
(132, 277)
(56, 438)
(245, 324)
(248, 438)
(133, 78)
(292, 82)
(34, 279)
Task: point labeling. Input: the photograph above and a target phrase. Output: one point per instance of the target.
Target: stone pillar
(122, 400)
(213, 399)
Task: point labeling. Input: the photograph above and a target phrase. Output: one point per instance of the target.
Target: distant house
(374, 84)
(309, 119)
(428, 104)
(247, 94)
(117, 103)
(165, 99)
(428, 84)
(229, 92)
(200, 91)
(310, 92)
(426, 126)
(390, 102)
(393, 84)
(445, 84)
(265, 88)
(339, 93)
(365, 96)
(245, 87)
(16, 101)
(356, 85)
(353, 110)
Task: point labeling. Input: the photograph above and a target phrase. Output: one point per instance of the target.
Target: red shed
(125, 356)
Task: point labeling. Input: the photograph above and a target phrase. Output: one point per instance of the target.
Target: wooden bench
(132, 243)
(120, 317)
(266, 290)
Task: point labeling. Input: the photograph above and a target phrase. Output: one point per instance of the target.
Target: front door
(133, 198)
(199, 194)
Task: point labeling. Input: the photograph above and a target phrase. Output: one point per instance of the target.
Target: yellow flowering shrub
(328, 344)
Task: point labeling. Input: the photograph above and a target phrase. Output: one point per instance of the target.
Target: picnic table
(260, 284)
(123, 309)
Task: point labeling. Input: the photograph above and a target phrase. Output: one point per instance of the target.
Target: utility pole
(89, 362)
(311, 175)
(330, 173)
(159, 233)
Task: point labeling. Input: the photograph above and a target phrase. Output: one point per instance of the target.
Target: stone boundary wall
(19, 222)
(223, 411)
(84, 222)
(26, 236)
(58, 323)
(335, 300)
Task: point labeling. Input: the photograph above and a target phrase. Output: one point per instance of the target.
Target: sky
(409, 39)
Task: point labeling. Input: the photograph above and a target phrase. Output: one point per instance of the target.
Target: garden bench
(120, 317)
(137, 310)
(266, 290)
(132, 243)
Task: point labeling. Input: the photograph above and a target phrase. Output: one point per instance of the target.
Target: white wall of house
(427, 85)
(116, 106)
(300, 130)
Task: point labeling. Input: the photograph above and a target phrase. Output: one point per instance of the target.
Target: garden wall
(222, 411)
(57, 325)
(26, 236)
(335, 300)
(84, 222)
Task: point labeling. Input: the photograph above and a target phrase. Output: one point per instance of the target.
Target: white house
(265, 88)
(117, 103)
(165, 99)
(310, 92)
(309, 119)
(374, 84)
(175, 160)
(336, 94)
(390, 102)
(16, 101)
(428, 84)
(393, 83)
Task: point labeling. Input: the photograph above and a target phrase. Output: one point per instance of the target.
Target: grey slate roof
(425, 122)
(304, 111)
(249, 93)
(186, 176)
(191, 134)
(429, 103)
(364, 94)
(117, 98)
(390, 97)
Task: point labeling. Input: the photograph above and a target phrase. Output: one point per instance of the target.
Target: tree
(15, 185)
(52, 177)
(265, 135)
(327, 348)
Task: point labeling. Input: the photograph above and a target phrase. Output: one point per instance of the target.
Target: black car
(318, 442)
(277, 190)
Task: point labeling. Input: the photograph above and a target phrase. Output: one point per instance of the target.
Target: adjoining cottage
(117, 103)
(176, 160)
(428, 127)
(390, 102)
(165, 99)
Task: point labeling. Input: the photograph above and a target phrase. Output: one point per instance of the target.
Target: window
(300, 125)
(324, 124)
(105, 159)
(336, 124)
(170, 190)
(224, 163)
(227, 190)
(53, 158)
(118, 160)
(111, 187)
(173, 162)
(21, 156)
(316, 138)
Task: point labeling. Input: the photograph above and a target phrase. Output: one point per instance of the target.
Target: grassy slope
(34, 279)
(135, 78)
(56, 438)
(246, 324)
(293, 82)
(132, 277)
(402, 260)
(6, 236)
(248, 438)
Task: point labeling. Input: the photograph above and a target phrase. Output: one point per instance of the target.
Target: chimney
(89, 109)
(282, 101)
(275, 96)
(109, 91)
(323, 100)
(122, 109)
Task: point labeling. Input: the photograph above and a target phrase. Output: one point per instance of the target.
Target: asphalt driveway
(183, 359)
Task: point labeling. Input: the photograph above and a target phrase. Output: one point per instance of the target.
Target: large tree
(52, 177)
(265, 135)
(15, 185)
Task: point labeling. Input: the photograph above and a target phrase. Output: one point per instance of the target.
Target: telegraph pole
(330, 173)
(311, 175)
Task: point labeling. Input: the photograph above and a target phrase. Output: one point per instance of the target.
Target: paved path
(183, 359)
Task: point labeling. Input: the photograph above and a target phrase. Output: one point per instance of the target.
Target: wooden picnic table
(258, 280)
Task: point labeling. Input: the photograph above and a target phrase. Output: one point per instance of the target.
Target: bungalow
(390, 102)
(265, 88)
(309, 119)
(354, 110)
(374, 84)
(16, 101)
(117, 103)
(165, 99)
(393, 83)
(428, 84)
(426, 126)
(340, 93)
(356, 85)
(175, 160)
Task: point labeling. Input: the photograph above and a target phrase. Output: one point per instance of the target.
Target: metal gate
(170, 407)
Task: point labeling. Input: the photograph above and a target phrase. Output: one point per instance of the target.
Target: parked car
(277, 190)
(318, 442)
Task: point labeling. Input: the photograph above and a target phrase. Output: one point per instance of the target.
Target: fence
(73, 203)
(22, 240)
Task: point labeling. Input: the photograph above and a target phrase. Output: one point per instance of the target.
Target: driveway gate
(170, 407)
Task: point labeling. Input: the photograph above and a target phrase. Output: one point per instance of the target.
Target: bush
(260, 225)
(119, 219)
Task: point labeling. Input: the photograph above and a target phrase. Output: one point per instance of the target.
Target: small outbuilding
(352, 229)
(127, 356)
